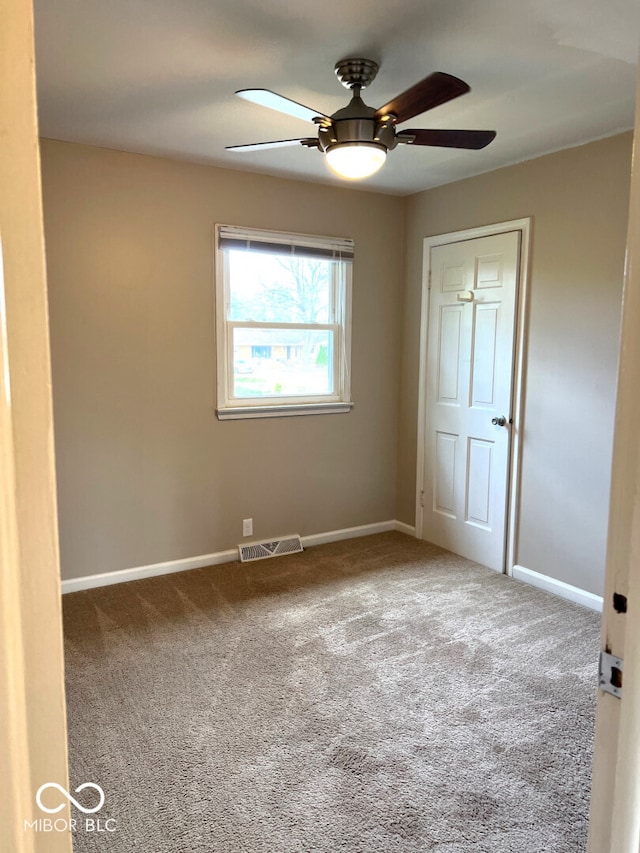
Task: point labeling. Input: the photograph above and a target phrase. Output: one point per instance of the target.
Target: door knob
(501, 421)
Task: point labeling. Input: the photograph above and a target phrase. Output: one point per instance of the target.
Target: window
(283, 306)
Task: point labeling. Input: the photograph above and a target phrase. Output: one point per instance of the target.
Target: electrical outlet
(247, 526)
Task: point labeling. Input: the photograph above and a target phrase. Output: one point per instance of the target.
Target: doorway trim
(513, 486)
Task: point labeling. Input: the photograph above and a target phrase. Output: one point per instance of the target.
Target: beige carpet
(371, 696)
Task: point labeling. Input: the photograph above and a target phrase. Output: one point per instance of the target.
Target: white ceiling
(158, 76)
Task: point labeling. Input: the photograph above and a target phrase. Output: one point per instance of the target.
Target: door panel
(486, 321)
(490, 270)
(469, 382)
(449, 353)
(479, 482)
(452, 278)
(445, 474)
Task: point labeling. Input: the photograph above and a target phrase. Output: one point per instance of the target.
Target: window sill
(232, 413)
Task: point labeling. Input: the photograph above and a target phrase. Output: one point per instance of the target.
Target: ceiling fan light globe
(356, 160)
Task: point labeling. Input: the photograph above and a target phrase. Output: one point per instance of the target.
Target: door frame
(515, 450)
(614, 821)
(33, 737)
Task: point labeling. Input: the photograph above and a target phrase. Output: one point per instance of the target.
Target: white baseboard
(564, 590)
(216, 559)
(140, 572)
(401, 527)
(355, 532)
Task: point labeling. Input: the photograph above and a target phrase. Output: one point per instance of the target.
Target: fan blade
(474, 139)
(280, 143)
(436, 89)
(266, 98)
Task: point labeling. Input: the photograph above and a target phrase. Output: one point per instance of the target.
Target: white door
(469, 373)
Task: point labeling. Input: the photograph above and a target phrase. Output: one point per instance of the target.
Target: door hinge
(422, 498)
(610, 675)
(619, 602)
(429, 280)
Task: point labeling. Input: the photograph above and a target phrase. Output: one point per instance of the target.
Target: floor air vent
(270, 548)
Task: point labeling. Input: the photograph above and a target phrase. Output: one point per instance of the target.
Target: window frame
(230, 407)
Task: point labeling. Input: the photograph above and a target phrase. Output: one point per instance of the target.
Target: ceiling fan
(356, 139)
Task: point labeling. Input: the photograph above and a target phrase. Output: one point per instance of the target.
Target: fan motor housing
(363, 130)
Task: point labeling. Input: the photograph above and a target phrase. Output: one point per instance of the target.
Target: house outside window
(283, 304)
(256, 351)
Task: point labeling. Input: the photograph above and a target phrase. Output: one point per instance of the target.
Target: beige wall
(146, 472)
(579, 203)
